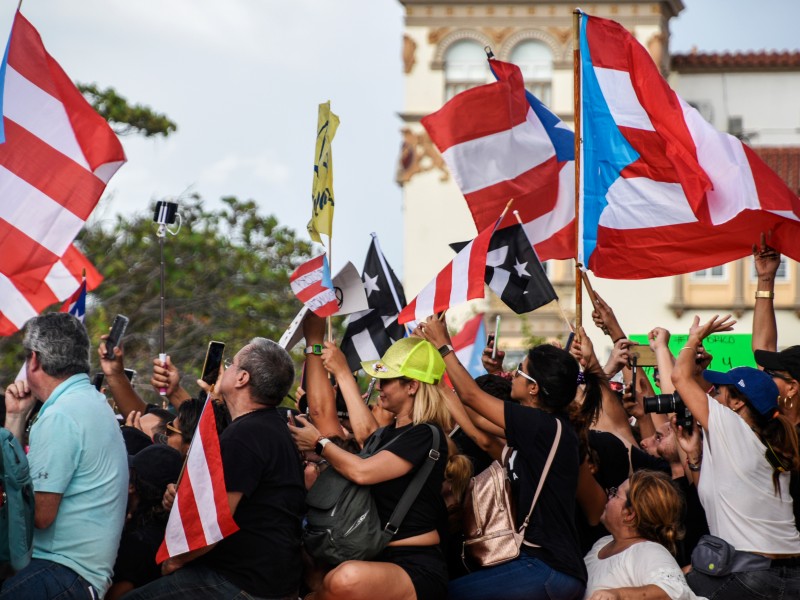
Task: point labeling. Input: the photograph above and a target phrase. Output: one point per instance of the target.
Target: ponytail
(780, 437)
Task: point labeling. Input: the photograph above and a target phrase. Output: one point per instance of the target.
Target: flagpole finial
(489, 53)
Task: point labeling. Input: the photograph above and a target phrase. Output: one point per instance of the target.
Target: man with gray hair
(264, 481)
(77, 461)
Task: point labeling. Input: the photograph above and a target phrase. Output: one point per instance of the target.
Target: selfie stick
(165, 213)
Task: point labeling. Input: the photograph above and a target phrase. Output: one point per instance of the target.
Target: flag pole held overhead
(576, 93)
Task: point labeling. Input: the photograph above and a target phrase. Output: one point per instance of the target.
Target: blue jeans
(44, 579)
(196, 582)
(777, 583)
(525, 578)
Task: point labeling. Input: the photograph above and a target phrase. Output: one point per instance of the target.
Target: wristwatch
(320, 445)
(314, 349)
(445, 350)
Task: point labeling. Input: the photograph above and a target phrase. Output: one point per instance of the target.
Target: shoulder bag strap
(412, 491)
(545, 471)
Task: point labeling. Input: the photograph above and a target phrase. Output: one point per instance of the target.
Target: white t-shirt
(736, 488)
(644, 563)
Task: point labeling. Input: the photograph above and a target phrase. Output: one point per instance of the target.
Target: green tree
(126, 118)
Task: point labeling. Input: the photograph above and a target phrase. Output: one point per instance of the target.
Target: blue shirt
(76, 449)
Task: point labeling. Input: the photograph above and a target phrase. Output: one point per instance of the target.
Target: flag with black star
(514, 273)
(370, 333)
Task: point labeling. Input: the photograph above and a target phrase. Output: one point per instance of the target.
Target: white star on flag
(371, 284)
(521, 268)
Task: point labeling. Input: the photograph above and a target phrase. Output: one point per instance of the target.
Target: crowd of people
(611, 501)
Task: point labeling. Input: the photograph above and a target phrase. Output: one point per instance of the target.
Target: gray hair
(60, 342)
(271, 370)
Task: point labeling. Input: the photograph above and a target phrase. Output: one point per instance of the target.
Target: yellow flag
(322, 187)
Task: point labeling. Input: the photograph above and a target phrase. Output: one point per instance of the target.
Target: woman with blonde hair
(637, 559)
(412, 566)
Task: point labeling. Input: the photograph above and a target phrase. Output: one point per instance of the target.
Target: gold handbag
(490, 533)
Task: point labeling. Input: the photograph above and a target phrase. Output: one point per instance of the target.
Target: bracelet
(688, 348)
(622, 337)
(765, 294)
(695, 467)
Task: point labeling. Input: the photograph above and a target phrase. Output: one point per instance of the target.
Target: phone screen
(212, 362)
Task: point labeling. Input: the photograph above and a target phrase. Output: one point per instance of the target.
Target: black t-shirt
(412, 443)
(136, 559)
(261, 461)
(480, 458)
(531, 431)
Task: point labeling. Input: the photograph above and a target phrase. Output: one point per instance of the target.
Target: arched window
(465, 66)
(535, 60)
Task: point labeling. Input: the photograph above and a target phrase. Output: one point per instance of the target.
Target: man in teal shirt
(78, 464)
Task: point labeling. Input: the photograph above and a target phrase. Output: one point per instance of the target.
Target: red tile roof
(738, 61)
(785, 162)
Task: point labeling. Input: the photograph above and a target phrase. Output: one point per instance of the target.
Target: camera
(670, 403)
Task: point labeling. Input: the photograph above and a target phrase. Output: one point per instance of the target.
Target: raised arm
(684, 378)
(765, 330)
(362, 421)
(486, 405)
(119, 385)
(319, 391)
(605, 319)
(485, 441)
(167, 377)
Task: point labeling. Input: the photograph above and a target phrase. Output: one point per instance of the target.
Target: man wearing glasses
(78, 463)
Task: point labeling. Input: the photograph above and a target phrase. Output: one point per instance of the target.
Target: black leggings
(425, 566)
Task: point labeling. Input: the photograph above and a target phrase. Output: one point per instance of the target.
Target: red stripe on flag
(478, 112)
(27, 55)
(773, 193)
(76, 262)
(208, 426)
(560, 245)
(52, 173)
(444, 287)
(6, 326)
(308, 267)
(190, 516)
(407, 314)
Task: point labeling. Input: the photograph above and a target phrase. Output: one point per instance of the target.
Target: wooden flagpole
(576, 72)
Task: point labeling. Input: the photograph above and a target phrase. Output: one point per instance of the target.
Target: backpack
(491, 536)
(342, 520)
(16, 503)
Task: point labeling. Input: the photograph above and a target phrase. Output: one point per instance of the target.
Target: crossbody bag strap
(545, 471)
(412, 491)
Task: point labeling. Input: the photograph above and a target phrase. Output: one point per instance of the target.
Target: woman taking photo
(550, 563)
(637, 559)
(412, 566)
(748, 452)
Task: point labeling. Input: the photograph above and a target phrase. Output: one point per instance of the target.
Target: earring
(788, 405)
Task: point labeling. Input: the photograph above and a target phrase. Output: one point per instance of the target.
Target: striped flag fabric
(200, 515)
(311, 283)
(461, 280)
(468, 344)
(500, 142)
(665, 193)
(56, 157)
(76, 304)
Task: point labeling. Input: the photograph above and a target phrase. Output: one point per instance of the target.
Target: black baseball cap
(785, 360)
(157, 465)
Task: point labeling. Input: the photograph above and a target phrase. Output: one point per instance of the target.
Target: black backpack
(343, 522)
(17, 503)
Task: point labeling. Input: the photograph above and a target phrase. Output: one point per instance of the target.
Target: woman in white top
(636, 560)
(748, 451)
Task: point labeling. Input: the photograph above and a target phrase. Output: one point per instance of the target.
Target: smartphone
(645, 357)
(212, 362)
(97, 380)
(118, 328)
(370, 389)
(570, 340)
(496, 335)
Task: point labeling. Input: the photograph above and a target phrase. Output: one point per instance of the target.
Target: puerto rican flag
(468, 344)
(311, 283)
(500, 142)
(664, 193)
(201, 514)
(56, 157)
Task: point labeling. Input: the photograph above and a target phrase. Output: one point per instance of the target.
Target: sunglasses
(522, 373)
(172, 429)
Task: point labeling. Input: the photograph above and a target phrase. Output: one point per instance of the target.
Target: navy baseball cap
(758, 387)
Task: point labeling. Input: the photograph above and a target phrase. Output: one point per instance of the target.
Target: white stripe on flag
(44, 116)
(37, 215)
(621, 98)
(522, 148)
(638, 202)
(16, 307)
(306, 280)
(203, 489)
(724, 160)
(460, 276)
(174, 536)
(365, 348)
(424, 301)
(61, 281)
(563, 213)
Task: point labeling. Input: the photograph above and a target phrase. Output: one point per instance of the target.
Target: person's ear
(242, 378)
(792, 388)
(413, 386)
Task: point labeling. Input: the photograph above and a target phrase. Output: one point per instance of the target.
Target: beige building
(443, 54)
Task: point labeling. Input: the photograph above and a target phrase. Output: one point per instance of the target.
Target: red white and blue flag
(311, 283)
(200, 515)
(500, 142)
(468, 344)
(665, 193)
(56, 157)
(76, 304)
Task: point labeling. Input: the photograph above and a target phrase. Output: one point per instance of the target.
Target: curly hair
(657, 506)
